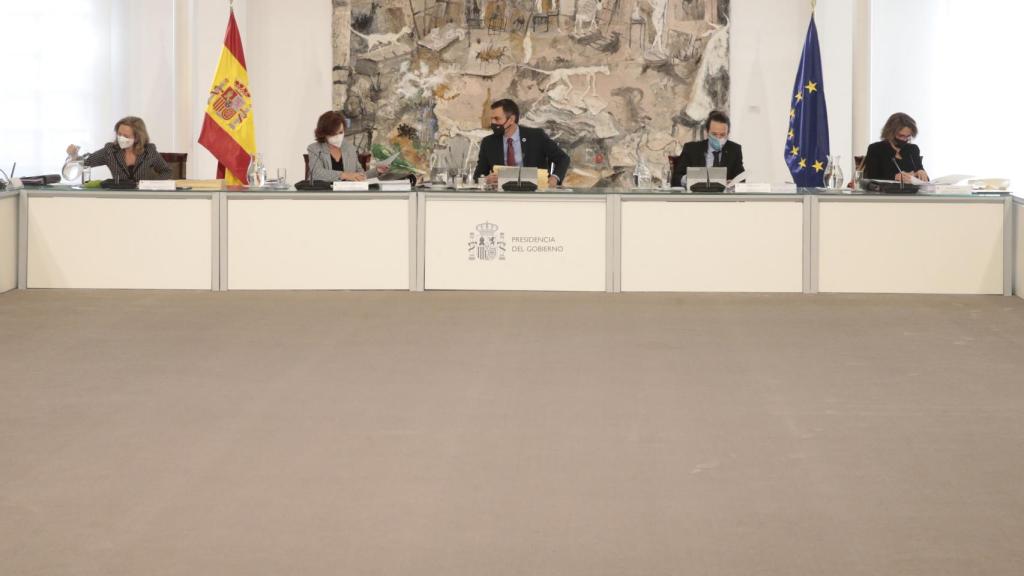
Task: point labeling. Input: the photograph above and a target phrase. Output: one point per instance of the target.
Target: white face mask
(336, 140)
(124, 142)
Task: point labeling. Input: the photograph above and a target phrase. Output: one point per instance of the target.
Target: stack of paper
(346, 186)
(951, 179)
(200, 184)
(402, 185)
(949, 189)
(753, 188)
(156, 184)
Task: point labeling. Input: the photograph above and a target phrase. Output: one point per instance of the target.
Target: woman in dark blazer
(131, 156)
(332, 157)
(894, 157)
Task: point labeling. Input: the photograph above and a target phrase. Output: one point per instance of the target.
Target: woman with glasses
(895, 157)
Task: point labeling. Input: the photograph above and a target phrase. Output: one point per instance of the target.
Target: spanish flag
(228, 131)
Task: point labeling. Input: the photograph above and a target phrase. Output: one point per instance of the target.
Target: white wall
(73, 68)
(767, 38)
(289, 58)
(955, 74)
(142, 49)
(292, 57)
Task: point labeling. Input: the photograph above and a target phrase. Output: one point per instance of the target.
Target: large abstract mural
(607, 79)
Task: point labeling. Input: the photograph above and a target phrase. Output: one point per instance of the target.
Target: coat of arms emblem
(229, 102)
(486, 243)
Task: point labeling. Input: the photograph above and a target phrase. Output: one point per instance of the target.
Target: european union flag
(807, 141)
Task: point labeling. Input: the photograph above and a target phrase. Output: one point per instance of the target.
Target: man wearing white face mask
(131, 156)
(332, 157)
(717, 150)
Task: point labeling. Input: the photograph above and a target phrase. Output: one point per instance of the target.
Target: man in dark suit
(717, 150)
(515, 145)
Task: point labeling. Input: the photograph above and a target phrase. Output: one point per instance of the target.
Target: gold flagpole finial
(814, 4)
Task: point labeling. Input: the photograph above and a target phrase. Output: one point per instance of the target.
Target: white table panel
(1019, 251)
(318, 244)
(8, 243)
(911, 247)
(557, 245)
(135, 243)
(753, 246)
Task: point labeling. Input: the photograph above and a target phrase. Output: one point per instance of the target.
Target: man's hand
(492, 179)
(552, 181)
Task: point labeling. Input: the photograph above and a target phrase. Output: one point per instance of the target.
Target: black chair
(177, 161)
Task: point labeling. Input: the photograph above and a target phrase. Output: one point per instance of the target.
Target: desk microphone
(518, 185)
(707, 186)
(899, 170)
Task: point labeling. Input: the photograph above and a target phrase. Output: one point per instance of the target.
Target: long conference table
(613, 240)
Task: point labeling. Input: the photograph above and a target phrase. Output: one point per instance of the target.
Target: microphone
(518, 185)
(899, 171)
(707, 186)
(313, 156)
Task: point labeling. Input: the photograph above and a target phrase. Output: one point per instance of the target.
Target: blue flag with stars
(807, 140)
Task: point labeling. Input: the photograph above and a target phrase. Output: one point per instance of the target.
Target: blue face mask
(716, 144)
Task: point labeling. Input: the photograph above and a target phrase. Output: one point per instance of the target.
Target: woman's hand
(921, 175)
(353, 176)
(383, 168)
(904, 177)
(73, 150)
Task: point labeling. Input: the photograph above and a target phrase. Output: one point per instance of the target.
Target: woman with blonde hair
(131, 156)
(894, 157)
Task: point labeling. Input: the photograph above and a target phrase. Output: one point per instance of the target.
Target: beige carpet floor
(155, 433)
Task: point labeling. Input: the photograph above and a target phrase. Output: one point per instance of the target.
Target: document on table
(943, 181)
(347, 186)
(951, 179)
(156, 185)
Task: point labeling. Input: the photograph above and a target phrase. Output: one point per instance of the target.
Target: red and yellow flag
(228, 131)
